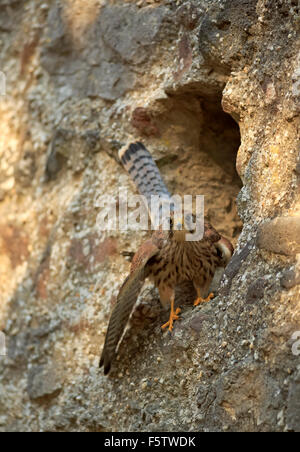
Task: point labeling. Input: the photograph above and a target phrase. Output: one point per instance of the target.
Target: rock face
(280, 235)
(212, 89)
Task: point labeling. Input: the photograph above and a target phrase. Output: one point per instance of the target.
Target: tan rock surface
(174, 75)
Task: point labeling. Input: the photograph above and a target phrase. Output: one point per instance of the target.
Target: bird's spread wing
(146, 176)
(142, 169)
(127, 297)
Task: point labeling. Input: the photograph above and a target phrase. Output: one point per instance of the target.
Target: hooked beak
(178, 230)
(178, 224)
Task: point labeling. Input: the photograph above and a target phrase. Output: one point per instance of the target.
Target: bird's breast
(180, 262)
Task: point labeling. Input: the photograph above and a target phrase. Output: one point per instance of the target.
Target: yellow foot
(173, 316)
(203, 300)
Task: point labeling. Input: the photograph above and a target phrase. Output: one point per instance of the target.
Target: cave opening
(205, 141)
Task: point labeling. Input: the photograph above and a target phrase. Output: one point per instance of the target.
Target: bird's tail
(142, 169)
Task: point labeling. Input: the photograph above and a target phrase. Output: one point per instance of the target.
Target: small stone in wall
(256, 290)
(43, 382)
(280, 235)
(237, 260)
(290, 279)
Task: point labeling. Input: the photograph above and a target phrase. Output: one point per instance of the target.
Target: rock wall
(212, 88)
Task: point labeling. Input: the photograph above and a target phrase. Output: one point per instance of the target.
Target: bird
(167, 258)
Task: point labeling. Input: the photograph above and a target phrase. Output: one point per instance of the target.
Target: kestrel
(168, 259)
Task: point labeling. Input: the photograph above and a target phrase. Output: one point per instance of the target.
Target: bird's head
(226, 249)
(181, 226)
(223, 245)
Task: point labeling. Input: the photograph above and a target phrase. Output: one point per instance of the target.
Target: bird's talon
(203, 300)
(173, 316)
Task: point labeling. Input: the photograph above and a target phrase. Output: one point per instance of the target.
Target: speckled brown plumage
(167, 259)
(180, 261)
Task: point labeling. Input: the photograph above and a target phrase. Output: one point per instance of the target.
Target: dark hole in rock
(202, 142)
